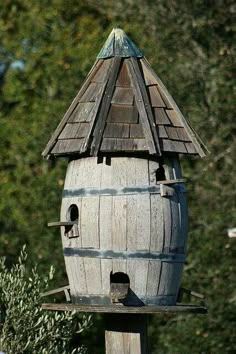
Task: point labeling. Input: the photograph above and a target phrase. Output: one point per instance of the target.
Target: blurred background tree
(46, 50)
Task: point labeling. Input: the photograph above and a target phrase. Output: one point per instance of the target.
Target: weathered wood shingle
(123, 106)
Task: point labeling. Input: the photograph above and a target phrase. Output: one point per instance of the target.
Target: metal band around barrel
(89, 192)
(109, 254)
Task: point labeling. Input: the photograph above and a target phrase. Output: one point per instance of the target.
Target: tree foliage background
(46, 50)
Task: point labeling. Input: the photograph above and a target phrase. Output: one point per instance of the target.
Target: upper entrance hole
(73, 213)
(160, 172)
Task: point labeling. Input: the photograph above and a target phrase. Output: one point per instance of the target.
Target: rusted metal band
(90, 192)
(110, 254)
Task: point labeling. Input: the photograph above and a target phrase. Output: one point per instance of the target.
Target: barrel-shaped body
(127, 217)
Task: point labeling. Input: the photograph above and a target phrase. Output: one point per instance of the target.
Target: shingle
(122, 114)
(161, 116)
(155, 97)
(123, 95)
(175, 120)
(114, 130)
(82, 112)
(91, 93)
(136, 131)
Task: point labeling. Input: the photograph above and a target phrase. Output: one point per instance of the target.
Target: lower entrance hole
(119, 278)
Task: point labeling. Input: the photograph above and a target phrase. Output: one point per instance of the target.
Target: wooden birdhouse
(123, 213)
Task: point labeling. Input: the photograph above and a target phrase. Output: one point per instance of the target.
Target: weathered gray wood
(73, 145)
(123, 78)
(105, 106)
(56, 291)
(116, 130)
(190, 148)
(183, 220)
(157, 224)
(172, 133)
(90, 234)
(90, 238)
(198, 144)
(90, 94)
(167, 222)
(143, 222)
(170, 274)
(59, 147)
(89, 222)
(82, 130)
(148, 119)
(162, 131)
(95, 105)
(172, 181)
(84, 175)
(100, 76)
(154, 269)
(174, 118)
(61, 125)
(69, 131)
(136, 222)
(143, 227)
(153, 149)
(76, 278)
(131, 220)
(123, 114)
(173, 146)
(105, 226)
(140, 145)
(136, 131)
(180, 308)
(141, 276)
(148, 76)
(166, 191)
(155, 97)
(183, 135)
(123, 95)
(64, 147)
(77, 265)
(81, 285)
(117, 144)
(82, 113)
(61, 223)
(119, 210)
(164, 98)
(74, 130)
(175, 243)
(95, 109)
(126, 334)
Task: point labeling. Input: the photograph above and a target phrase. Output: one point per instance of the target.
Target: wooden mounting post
(126, 334)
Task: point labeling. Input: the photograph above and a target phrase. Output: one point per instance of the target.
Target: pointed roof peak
(119, 44)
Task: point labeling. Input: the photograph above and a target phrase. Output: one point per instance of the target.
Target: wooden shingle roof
(123, 107)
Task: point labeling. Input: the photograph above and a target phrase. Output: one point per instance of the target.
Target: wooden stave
(142, 273)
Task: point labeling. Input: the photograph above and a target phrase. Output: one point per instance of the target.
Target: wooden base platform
(178, 308)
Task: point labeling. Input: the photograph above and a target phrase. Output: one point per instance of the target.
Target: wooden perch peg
(62, 223)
